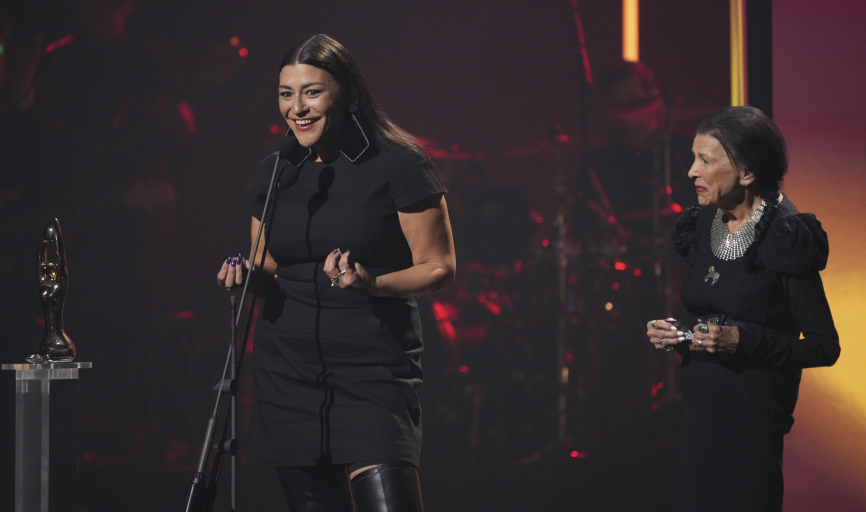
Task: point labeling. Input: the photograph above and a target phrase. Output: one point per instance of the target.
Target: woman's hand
(345, 273)
(663, 334)
(231, 274)
(715, 338)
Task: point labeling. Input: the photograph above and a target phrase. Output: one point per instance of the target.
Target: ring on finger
(700, 343)
(337, 277)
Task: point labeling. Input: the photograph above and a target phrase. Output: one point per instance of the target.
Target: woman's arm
(750, 342)
(269, 264)
(819, 345)
(232, 274)
(428, 232)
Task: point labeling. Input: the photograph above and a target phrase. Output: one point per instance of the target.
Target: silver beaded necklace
(730, 246)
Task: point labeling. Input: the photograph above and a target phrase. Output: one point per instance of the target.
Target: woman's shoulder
(392, 155)
(795, 242)
(685, 232)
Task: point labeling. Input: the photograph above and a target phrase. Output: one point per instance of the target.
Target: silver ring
(668, 348)
(337, 277)
(700, 343)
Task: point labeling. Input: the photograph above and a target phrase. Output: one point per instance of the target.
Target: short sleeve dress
(335, 370)
(739, 406)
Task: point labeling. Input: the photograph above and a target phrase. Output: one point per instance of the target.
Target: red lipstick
(305, 127)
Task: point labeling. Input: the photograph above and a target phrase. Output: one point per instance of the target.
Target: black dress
(335, 370)
(739, 406)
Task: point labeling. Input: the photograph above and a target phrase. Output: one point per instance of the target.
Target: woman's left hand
(715, 338)
(345, 273)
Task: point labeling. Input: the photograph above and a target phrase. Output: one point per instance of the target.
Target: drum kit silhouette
(542, 334)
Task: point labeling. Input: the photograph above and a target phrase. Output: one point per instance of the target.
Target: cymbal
(690, 111)
(452, 152)
(561, 143)
(665, 211)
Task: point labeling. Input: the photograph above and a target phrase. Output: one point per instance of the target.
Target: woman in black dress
(361, 233)
(754, 287)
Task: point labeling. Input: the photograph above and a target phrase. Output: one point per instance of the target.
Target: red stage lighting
(63, 41)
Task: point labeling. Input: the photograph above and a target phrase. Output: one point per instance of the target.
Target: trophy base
(42, 358)
(56, 347)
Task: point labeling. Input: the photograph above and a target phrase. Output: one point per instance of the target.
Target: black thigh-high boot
(316, 489)
(388, 487)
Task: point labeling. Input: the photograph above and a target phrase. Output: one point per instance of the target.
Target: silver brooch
(712, 276)
(730, 246)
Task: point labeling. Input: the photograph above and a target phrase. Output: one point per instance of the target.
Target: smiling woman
(362, 232)
(314, 105)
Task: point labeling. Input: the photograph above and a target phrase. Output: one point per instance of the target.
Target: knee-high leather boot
(316, 489)
(388, 487)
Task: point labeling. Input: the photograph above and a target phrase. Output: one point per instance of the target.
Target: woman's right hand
(231, 274)
(663, 334)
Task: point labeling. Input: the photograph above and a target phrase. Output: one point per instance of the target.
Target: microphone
(287, 145)
(290, 176)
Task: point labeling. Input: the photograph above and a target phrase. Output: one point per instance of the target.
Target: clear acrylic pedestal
(46, 436)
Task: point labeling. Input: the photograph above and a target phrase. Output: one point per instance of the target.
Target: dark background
(144, 146)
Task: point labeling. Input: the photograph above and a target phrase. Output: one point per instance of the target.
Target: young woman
(362, 232)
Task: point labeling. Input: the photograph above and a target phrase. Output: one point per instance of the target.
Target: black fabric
(316, 489)
(391, 487)
(739, 406)
(336, 370)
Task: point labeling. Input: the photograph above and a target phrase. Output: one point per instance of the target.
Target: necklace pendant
(712, 276)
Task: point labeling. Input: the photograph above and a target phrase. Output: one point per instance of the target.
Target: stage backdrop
(819, 52)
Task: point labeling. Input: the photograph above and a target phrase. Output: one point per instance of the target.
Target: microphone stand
(200, 497)
(566, 300)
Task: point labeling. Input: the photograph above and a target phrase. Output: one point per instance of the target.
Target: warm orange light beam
(630, 34)
(739, 95)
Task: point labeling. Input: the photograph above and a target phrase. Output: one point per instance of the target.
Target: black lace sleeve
(684, 234)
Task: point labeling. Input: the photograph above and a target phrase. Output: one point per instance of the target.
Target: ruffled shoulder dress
(739, 406)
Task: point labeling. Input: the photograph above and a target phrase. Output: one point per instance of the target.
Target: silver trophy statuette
(53, 283)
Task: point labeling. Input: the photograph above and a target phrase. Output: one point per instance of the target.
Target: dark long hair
(325, 52)
(753, 142)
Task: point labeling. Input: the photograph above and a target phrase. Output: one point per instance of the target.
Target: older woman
(754, 286)
(362, 232)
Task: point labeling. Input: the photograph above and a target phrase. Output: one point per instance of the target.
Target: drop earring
(355, 141)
